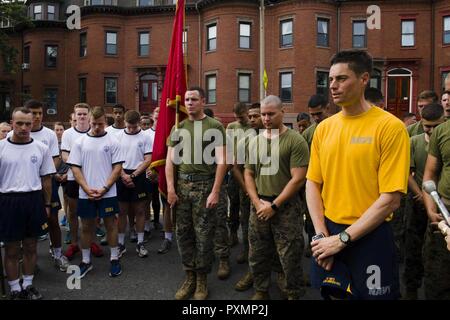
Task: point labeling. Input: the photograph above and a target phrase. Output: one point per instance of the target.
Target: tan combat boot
(223, 271)
(188, 287)
(261, 295)
(201, 291)
(245, 283)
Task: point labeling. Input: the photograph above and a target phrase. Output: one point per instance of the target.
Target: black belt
(267, 198)
(194, 177)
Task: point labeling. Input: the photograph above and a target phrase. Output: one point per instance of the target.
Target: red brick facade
(421, 65)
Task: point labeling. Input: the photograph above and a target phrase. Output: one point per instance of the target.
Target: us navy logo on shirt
(140, 144)
(45, 142)
(106, 148)
(34, 158)
(361, 140)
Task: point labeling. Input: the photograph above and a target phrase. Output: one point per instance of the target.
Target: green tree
(15, 12)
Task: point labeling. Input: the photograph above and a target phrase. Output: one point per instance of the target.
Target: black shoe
(31, 293)
(165, 246)
(16, 295)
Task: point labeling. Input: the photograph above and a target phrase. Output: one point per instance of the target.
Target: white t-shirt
(68, 138)
(96, 157)
(115, 131)
(134, 147)
(47, 137)
(23, 165)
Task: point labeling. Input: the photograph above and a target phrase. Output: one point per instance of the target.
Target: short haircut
(407, 115)
(240, 108)
(97, 112)
(317, 100)
(59, 124)
(432, 112)
(359, 61)
(303, 116)
(5, 124)
(373, 95)
(255, 105)
(272, 100)
(209, 112)
(119, 106)
(132, 117)
(33, 104)
(24, 110)
(445, 92)
(81, 105)
(200, 90)
(428, 94)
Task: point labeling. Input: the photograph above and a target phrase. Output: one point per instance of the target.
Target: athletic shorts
(55, 202)
(103, 208)
(138, 193)
(366, 269)
(72, 189)
(22, 215)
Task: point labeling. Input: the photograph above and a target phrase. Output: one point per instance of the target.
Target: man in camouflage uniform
(435, 255)
(200, 171)
(416, 219)
(275, 224)
(241, 114)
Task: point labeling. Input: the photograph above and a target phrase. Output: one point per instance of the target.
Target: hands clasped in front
(323, 250)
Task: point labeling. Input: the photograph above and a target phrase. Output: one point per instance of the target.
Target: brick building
(120, 52)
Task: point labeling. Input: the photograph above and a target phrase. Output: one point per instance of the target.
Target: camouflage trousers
(233, 194)
(195, 225)
(221, 238)
(416, 226)
(281, 234)
(244, 216)
(398, 225)
(436, 260)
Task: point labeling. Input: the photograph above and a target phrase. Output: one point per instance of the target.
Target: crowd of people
(350, 181)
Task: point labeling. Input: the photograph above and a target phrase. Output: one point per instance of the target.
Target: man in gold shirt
(357, 173)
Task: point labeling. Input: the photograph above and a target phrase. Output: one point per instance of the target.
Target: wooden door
(398, 95)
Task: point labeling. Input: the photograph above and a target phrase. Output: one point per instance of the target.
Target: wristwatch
(274, 206)
(132, 176)
(106, 188)
(344, 237)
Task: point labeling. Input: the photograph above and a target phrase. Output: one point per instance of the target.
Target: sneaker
(84, 269)
(141, 250)
(100, 233)
(96, 250)
(50, 251)
(43, 237)
(63, 221)
(31, 293)
(67, 238)
(71, 251)
(116, 268)
(104, 241)
(62, 263)
(122, 250)
(165, 246)
(133, 236)
(16, 295)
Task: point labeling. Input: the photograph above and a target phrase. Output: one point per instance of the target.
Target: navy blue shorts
(72, 189)
(366, 269)
(55, 202)
(138, 193)
(22, 215)
(103, 208)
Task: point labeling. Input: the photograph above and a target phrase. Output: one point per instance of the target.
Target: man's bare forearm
(47, 188)
(315, 206)
(79, 178)
(170, 171)
(250, 186)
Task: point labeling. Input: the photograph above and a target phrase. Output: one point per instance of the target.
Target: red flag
(172, 94)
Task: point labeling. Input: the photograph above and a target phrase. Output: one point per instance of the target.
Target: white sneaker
(141, 250)
(62, 263)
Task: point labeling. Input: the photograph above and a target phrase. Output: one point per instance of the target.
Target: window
(5, 23)
(447, 30)
(51, 55)
(145, 3)
(96, 2)
(244, 35)
(375, 79)
(359, 34)
(286, 86)
(83, 44)
(26, 54)
(37, 12)
(244, 87)
(50, 12)
(185, 41)
(286, 33)
(322, 83)
(143, 43)
(51, 99)
(110, 90)
(322, 32)
(408, 33)
(211, 89)
(111, 43)
(212, 37)
(82, 89)
(444, 74)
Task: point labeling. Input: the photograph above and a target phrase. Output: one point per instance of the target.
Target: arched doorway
(399, 91)
(148, 92)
